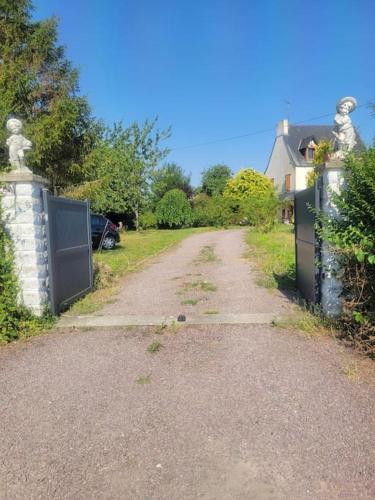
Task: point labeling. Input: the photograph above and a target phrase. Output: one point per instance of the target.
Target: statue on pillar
(17, 145)
(343, 128)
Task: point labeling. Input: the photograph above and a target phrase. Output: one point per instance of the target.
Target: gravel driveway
(219, 412)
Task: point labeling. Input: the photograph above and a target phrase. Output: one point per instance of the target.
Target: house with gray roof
(292, 158)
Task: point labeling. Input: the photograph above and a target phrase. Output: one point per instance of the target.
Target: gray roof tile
(301, 134)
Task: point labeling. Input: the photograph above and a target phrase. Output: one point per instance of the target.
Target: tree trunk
(136, 213)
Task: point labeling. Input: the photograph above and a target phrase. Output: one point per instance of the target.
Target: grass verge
(273, 254)
(130, 254)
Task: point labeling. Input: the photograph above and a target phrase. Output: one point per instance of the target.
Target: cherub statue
(343, 129)
(17, 144)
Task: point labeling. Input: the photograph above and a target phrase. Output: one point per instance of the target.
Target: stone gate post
(22, 206)
(331, 287)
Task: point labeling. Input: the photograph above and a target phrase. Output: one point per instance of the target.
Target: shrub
(353, 238)
(103, 275)
(216, 211)
(147, 220)
(174, 210)
(247, 183)
(261, 211)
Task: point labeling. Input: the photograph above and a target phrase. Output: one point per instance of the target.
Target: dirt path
(219, 412)
(207, 273)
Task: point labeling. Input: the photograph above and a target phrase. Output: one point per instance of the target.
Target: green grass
(190, 302)
(274, 255)
(154, 347)
(145, 379)
(211, 311)
(207, 254)
(134, 249)
(305, 321)
(206, 286)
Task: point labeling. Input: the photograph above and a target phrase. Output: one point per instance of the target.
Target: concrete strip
(207, 319)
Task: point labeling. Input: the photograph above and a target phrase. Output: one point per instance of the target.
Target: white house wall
(301, 173)
(279, 166)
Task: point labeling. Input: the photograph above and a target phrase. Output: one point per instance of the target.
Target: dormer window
(310, 154)
(307, 148)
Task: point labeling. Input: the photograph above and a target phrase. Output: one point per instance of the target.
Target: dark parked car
(102, 229)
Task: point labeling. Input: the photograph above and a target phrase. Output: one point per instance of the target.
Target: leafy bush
(147, 220)
(322, 151)
(261, 211)
(174, 210)
(247, 183)
(103, 275)
(15, 320)
(216, 211)
(353, 238)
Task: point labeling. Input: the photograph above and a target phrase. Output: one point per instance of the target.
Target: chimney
(282, 128)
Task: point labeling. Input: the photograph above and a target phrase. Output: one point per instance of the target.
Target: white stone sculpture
(343, 129)
(17, 145)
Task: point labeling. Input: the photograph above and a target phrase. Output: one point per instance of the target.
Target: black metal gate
(69, 250)
(307, 243)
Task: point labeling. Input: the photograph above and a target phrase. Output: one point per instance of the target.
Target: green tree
(170, 176)
(120, 168)
(215, 178)
(248, 183)
(174, 210)
(39, 85)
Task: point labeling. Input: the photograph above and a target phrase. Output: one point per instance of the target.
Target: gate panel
(69, 250)
(307, 243)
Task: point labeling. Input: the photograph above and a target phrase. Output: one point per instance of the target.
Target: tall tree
(215, 178)
(170, 176)
(39, 85)
(119, 169)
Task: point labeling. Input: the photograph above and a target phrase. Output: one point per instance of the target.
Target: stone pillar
(331, 287)
(22, 204)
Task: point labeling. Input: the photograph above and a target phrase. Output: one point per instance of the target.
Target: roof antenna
(287, 109)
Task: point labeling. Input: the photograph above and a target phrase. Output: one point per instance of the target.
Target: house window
(287, 182)
(310, 153)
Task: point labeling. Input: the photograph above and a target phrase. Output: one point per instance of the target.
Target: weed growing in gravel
(160, 329)
(211, 311)
(190, 302)
(206, 286)
(308, 323)
(145, 379)
(207, 254)
(155, 346)
(350, 370)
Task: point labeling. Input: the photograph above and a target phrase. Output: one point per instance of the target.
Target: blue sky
(214, 69)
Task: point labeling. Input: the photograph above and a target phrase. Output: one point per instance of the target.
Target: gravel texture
(224, 411)
(161, 288)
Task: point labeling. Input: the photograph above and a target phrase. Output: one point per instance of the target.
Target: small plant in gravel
(154, 347)
(350, 370)
(190, 302)
(160, 329)
(207, 286)
(211, 311)
(144, 379)
(200, 284)
(207, 254)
